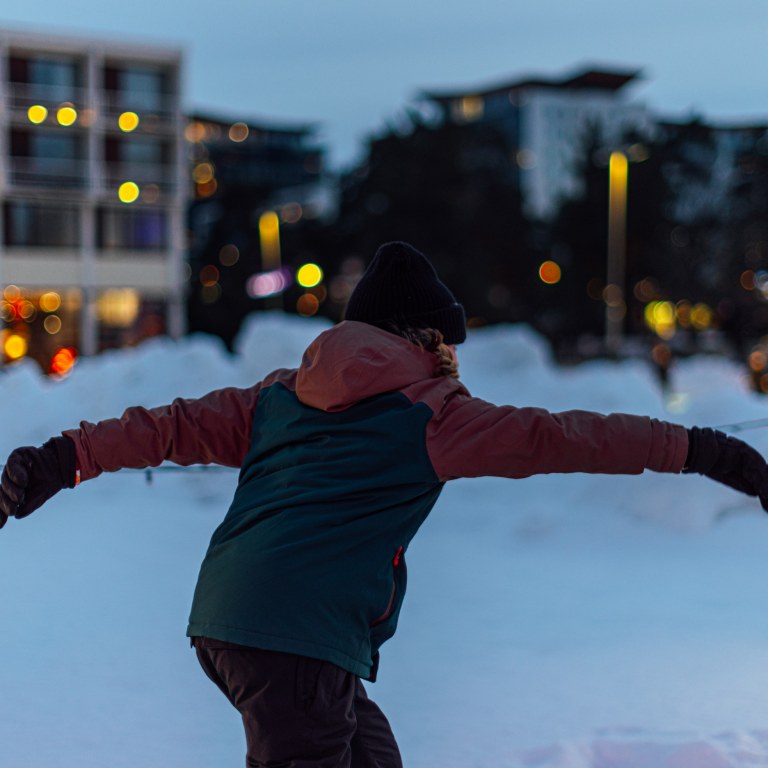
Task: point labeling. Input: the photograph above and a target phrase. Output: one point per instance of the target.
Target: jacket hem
(267, 642)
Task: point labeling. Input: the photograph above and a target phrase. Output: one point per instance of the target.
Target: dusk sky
(350, 66)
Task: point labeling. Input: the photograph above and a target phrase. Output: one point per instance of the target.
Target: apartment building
(546, 120)
(93, 186)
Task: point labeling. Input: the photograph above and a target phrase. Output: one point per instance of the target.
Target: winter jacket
(341, 461)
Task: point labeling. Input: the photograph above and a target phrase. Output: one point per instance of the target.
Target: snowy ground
(555, 622)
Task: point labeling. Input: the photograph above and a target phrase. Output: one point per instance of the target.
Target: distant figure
(661, 356)
(341, 460)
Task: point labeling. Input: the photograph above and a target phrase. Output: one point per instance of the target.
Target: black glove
(728, 460)
(32, 475)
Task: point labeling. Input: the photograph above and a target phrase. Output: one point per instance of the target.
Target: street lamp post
(615, 305)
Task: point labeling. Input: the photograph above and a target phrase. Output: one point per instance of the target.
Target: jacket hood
(354, 361)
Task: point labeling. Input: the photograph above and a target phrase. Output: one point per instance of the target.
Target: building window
(46, 79)
(136, 149)
(142, 89)
(139, 229)
(49, 158)
(125, 318)
(39, 225)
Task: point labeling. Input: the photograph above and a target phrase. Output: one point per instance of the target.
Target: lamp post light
(615, 305)
(269, 237)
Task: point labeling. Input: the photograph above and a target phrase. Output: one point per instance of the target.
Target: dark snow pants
(299, 712)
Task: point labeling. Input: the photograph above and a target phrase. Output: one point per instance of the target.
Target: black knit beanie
(401, 286)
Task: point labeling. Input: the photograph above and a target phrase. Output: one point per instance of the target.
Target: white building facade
(93, 186)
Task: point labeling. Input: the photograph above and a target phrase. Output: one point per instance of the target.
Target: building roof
(262, 126)
(583, 79)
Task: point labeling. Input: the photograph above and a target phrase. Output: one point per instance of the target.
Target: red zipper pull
(396, 561)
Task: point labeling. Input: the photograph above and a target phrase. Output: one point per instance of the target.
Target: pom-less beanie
(401, 286)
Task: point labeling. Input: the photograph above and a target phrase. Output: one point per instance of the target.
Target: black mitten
(32, 475)
(728, 460)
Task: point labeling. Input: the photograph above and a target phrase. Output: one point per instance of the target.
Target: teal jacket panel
(310, 557)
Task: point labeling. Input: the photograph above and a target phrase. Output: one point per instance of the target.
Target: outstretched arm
(215, 428)
(472, 438)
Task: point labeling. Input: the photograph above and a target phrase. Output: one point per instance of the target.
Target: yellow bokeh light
(701, 317)
(15, 346)
(50, 301)
(128, 192)
(660, 318)
(66, 115)
(128, 121)
(37, 114)
(663, 313)
(470, 107)
(269, 238)
(202, 173)
(309, 275)
(11, 292)
(118, 307)
(550, 272)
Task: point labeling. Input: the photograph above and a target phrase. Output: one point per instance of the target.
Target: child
(341, 460)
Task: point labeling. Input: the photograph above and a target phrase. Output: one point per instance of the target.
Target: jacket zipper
(390, 605)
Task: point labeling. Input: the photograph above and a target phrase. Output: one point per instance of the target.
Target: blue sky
(350, 65)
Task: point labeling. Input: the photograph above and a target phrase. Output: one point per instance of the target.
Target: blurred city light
(150, 193)
(550, 272)
(63, 361)
(37, 114)
(271, 283)
(701, 317)
(470, 108)
(747, 280)
(128, 121)
(660, 318)
(290, 213)
(269, 236)
(307, 305)
(238, 132)
(210, 294)
(525, 159)
(209, 275)
(309, 275)
(229, 255)
(118, 307)
(15, 346)
(128, 192)
(50, 301)
(194, 132)
(52, 324)
(66, 115)
(202, 173)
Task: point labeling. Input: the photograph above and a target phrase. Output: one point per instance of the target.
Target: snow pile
(555, 622)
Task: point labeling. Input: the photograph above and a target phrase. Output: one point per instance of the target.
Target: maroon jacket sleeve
(473, 438)
(214, 429)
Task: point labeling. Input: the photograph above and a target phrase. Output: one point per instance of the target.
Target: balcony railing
(48, 172)
(161, 174)
(162, 106)
(24, 95)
